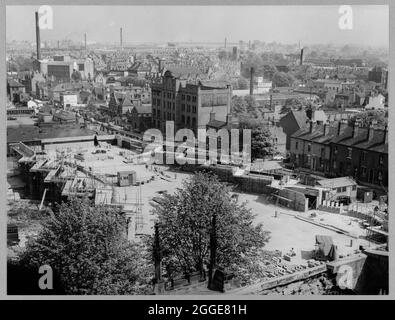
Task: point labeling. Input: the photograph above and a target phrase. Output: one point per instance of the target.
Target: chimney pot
(251, 81)
(371, 133)
(326, 129)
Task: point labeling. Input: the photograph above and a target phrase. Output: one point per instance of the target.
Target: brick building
(337, 150)
(181, 96)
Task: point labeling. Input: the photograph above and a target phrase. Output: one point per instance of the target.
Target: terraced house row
(338, 149)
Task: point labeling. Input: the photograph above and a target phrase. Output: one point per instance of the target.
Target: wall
(298, 199)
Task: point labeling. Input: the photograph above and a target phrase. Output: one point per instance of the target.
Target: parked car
(345, 200)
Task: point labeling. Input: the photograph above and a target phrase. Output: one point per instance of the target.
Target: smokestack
(120, 36)
(301, 56)
(85, 40)
(225, 43)
(38, 41)
(251, 81)
(58, 44)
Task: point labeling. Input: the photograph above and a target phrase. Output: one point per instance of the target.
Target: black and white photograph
(197, 150)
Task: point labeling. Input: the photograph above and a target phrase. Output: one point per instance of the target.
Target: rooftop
(30, 133)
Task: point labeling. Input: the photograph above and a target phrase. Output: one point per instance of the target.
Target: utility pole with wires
(213, 251)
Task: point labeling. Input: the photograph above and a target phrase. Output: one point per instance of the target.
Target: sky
(161, 24)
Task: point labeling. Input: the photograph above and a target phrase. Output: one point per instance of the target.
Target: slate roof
(346, 138)
(183, 72)
(337, 182)
(144, 108)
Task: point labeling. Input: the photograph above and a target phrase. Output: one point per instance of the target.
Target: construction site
(303, 218)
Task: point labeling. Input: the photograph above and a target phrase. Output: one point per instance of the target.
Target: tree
(185, 223)
(86, 247)
(261, 143)
(76, 76)
(282, 79)
(242, 83)
(366, 118)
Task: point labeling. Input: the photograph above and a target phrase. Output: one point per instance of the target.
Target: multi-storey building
(181, 96)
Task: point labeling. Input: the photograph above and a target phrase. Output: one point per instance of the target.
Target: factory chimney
(85, 40)
(225, 43)
(38, 41)
(251, 81)
(301, 56)
(120, 36)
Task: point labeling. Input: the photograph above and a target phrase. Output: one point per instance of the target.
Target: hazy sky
(286, 24)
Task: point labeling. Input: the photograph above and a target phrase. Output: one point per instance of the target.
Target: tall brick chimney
(301, 57)
(251, 81)
(120, 37)
(38, 41)
(326, 129)
(212, 115)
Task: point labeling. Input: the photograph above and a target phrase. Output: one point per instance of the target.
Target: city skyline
(268, 24)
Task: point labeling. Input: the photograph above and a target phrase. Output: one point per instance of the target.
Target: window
(296, 145)
(309, 147)
(335, 149)
(188, 108)
(354, 187)
(183, 97)
(363, 171)
(188, 97)
(338, 190)
(194, 99)
(183, 119)
(194, 109)
(363, 156)
(183, 107)
(188, 121)
(349, 154)
(344, 189)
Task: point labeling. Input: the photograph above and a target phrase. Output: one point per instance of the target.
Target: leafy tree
(378, 117)
(185, 223)
(86, 247)
(76, 76)
(282, 79)
(261, 143)
(242, 83)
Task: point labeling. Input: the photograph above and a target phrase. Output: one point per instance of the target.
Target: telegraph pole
(213, 250)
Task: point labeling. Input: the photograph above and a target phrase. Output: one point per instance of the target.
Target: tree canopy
(86, 247)
(185, 223)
